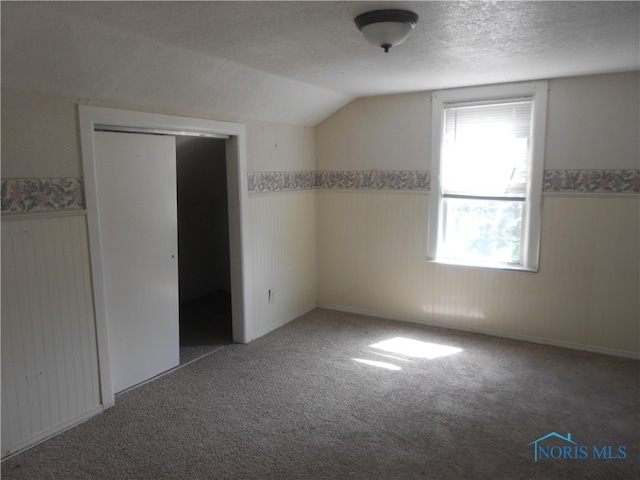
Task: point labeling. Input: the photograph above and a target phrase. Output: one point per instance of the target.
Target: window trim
(537, 92)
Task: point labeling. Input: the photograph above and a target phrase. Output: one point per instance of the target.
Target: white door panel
(136, 183)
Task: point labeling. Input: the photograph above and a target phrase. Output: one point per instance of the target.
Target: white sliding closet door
(136, 192)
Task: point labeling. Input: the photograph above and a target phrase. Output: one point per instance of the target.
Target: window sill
(489, 265)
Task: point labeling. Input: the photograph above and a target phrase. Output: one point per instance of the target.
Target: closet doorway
(133, 182)
(203, 247)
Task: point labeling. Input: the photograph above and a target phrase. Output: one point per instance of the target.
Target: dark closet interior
(203, 247)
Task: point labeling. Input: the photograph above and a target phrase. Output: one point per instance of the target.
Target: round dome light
(386, 28)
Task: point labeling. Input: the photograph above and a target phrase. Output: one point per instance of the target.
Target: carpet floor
(340, 396)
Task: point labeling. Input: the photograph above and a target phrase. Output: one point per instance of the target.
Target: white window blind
(486, 149)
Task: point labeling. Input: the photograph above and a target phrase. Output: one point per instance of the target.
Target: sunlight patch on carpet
(394, 357)
(374, 363)
(415, 348)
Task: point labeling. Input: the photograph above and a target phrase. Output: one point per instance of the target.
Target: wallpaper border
(372, 180)
(258, 182)
(41, 194)
(622, 181)
(67, 193)
(592, 181)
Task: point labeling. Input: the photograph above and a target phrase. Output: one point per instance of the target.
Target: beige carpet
(328, 396)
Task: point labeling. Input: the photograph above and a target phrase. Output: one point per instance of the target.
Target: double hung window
(486, 175)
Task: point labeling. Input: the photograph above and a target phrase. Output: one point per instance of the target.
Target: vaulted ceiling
(299, 61)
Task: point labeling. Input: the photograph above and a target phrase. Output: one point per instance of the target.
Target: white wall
(283, 255)
(277, 148)
(593, 122)
(372, 244)
(39, 136)
(389, 132)
(283, 249)
(40, 139)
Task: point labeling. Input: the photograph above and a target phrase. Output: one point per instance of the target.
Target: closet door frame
(92, 118)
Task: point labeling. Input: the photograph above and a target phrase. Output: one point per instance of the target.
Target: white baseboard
(50, 433)
(493, 333)
(284, 321)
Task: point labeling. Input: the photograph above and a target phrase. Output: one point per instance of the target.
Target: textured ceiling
(298, 62)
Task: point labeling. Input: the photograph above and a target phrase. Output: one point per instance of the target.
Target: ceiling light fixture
(386, 28)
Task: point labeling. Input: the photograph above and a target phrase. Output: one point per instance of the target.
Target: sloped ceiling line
(83, 58)
(298, 62)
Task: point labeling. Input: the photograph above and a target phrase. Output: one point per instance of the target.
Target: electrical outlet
(272, 295)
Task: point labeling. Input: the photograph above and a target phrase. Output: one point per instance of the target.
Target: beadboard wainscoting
(50, 377)
(372, 259)
(282, 257)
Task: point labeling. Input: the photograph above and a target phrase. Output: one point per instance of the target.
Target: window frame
(537, 92)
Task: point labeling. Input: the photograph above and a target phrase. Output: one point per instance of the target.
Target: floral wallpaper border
(375, 180)
(622, 181)
(47, 194)
(258, 182)
(41, 194)
(592, 181)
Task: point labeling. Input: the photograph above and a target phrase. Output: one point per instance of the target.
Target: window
(486, 175)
